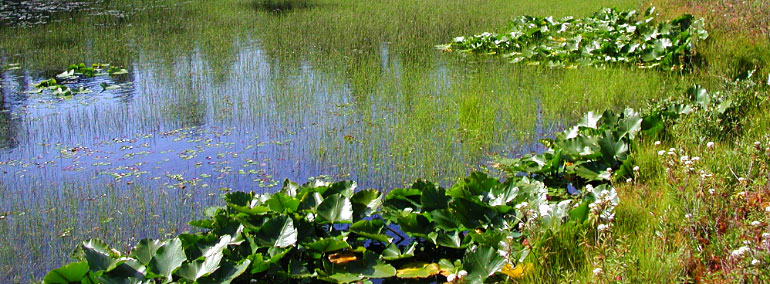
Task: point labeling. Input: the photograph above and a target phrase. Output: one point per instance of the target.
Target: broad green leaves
(336, 209)
(278, 232)
(608, 37)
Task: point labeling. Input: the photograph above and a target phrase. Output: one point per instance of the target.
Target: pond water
(239, 95)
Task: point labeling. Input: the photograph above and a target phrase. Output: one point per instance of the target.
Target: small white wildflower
(684, 158)
(695, 159)
(711, 191)
(602, 227)
(688, 216)
(740, 251)
(545, 210)
(710, 145)
(671, 153)
(461, 274)
(756, 223)
(755, 262)
(598, 271)
(672, 149)
(629, 180)
(767, 209)
(742, 193)
(661, 152)
(451, 277)
(688, 163)
(657, 143)
(408, 209)
(459, 39)
(636, 168)
(609, 170)
(766, 235)
(521, 205)
(740, 179)
(757, 144)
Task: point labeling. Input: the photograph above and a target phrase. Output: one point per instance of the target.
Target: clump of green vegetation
(608, 37)
(472, 231)
(74, 73)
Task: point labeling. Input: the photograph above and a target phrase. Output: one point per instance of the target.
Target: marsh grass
(353, 89)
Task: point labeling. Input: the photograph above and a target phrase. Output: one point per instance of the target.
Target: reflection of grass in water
(45, 226)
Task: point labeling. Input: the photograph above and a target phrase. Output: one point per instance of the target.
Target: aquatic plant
(75, 72)
(606, 38)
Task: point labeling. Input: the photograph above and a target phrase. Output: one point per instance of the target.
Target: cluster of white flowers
(604, 205)
(456, 277)
(740, 251)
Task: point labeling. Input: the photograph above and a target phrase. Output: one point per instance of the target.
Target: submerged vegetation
(608, 37)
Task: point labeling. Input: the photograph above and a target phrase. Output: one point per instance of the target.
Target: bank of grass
(697, 211)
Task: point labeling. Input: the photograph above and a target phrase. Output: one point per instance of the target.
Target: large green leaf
(471, 214)
(145, 250)
(278, 232)
(393, 252)
(444, 219)
(434, 197)
(69, 273)
(371, 229)
(328, 244)
(415, 225)
(281, 203)
(98, 255)
(371, 266)
(227, 272)
(336, 209)
(365, 202)
(201, 267)
(167, 258)
(612, 149)
(482, 263)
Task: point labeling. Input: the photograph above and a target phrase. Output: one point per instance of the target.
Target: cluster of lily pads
(329, 231)
(59, 86)
(606, 38)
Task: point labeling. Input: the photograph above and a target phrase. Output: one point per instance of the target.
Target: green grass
(437, 114)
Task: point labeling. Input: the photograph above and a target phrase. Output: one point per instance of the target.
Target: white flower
(609, 170)
(459, 39)
(767, 209)
(740, 179)
(684, 158)
(602, 227)
(636, 168)
(451, 277)
(757, 144)
(657, 143)
(695, 159)
(521, 205)
(672, 149)
(766, 235)
(661, 152)
(755, 262)
(710, 145)
(598, 271)
(687, 216)
(671, 153)
(629, 180)
(408, 209)
(545, 210)
(711, 191)
(742, 193)
(461, 274)
(740, 251)
(756, 223)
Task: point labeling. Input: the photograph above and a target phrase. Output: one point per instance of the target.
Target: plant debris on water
(608, 37)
